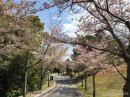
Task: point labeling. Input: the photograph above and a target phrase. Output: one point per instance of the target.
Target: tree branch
(112, 33)
(34, 64)
(119, 72)
(105, 50)
(127, 23)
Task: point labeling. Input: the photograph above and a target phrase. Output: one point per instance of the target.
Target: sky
(68, 26)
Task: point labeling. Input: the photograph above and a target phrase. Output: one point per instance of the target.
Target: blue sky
(65, 22)
(68, 22)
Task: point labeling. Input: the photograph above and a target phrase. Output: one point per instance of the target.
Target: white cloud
(71, 26)
(69, 29)
(57, 18)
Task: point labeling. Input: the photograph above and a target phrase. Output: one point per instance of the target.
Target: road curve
(65, 88)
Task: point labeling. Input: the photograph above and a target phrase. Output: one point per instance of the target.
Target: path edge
(44, 92)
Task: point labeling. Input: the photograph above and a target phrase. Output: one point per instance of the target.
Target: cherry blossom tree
(92, 58)
(104, 16)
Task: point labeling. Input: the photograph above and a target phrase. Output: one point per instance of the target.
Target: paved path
(64, 88)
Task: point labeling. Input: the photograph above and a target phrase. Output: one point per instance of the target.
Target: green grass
(44, 87)
(107, 85)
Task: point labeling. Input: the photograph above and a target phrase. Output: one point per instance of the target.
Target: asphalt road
(65, 88)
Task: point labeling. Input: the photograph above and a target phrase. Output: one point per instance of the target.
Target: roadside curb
(44, 92)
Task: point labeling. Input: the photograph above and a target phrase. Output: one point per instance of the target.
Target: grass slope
(108, 84)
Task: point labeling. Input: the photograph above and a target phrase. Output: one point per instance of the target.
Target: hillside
(108, 84)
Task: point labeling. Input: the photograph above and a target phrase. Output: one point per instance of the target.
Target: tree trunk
(48, 81)
(82, 82)
(41, 81)
(85, 81)
(58, 72)
(25, 74)
(94, 85)
(25, 84)
(41, 77)
(126, 88)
